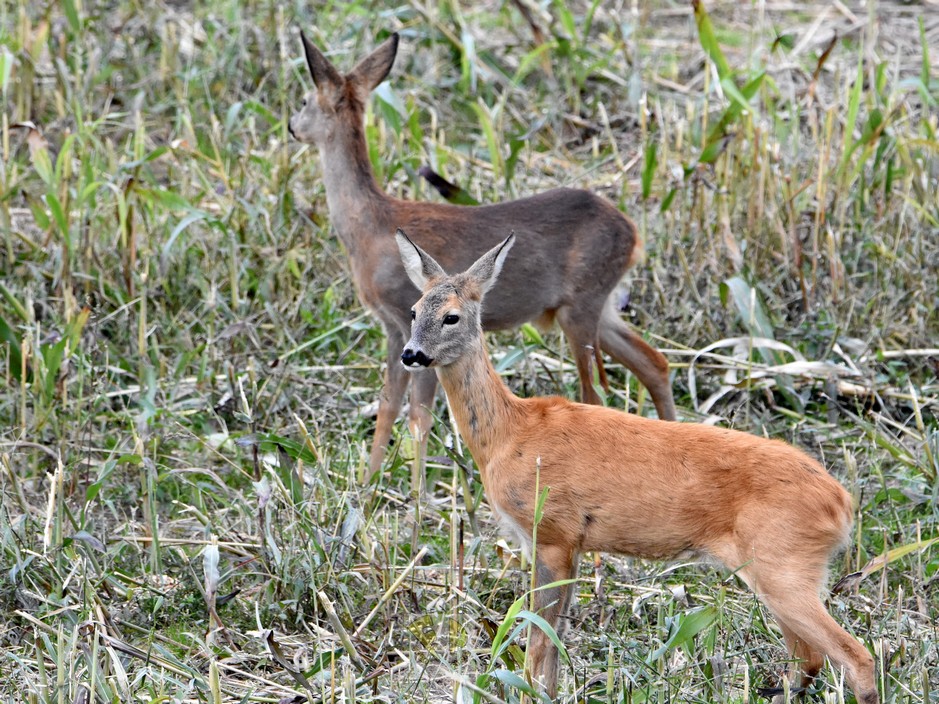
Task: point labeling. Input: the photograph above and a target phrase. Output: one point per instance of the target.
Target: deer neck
(482, 404)
(357, 205)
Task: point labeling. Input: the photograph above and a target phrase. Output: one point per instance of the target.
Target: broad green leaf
(270, 442)
(714, 149)
(528, 61)
(546, 628)
(850, 122)
(390, 106)
(566, 18)
(531, 335)
(689, 625)
(262, 110)
(468, 61)
(42, 163)
(9, 337)
(786, 40)
(510, 358)
(231, 115)
(489, 131)
(926, 69)
(324, 661)
(539, 506)
(515, 149)
(741, 102)
(750, 312)
(588, 21)
(166, 198)
(154, 154)
(180, 227)
(731, 91)
(708, 39)
(749, 306)
(894, 554)
(71, 15)
(89, 540)
(667, 201)
(73, 330)
(89, 190)
(499, 643)
(58, 214)
(64, 157)
(648, 168)
(54, 354)
(14, 303)
(39, 212)
(511, 679)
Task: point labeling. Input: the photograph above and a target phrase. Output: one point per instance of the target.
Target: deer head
(447, 319)
(338, 100)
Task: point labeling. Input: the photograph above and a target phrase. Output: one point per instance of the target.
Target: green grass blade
(708, 40)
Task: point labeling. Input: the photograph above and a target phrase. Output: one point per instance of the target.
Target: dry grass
(185, 361)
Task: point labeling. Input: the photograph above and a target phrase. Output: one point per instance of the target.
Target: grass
(185, 361)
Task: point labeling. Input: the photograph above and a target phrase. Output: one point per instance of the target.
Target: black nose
(411, 358)
(290, 129)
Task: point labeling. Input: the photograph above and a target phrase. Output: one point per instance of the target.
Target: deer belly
(512, 529)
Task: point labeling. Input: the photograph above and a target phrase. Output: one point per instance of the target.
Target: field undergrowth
(188, 377)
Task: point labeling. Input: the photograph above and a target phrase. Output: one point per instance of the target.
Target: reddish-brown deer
(578, 245)
(631, 485)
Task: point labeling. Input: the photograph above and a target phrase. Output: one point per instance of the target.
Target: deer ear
(324, 73)
(486, 269)
(418, 264)
(373, 69)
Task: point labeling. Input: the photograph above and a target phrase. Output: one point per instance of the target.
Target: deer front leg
(390, 400)
(553, 563)
(580, 328)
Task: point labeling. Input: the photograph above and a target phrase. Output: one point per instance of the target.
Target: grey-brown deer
(578, 246)
(632, 485)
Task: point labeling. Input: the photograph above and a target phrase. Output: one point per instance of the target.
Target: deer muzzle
(412, 359)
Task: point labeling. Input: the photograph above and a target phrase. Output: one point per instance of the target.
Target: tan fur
(639, 487)
(579, 247)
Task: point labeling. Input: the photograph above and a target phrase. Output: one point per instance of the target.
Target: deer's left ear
(486, 269)
(374, 68)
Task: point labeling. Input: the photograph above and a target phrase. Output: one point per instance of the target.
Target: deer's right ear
(418, 264)
(324, 73)
(374, 68)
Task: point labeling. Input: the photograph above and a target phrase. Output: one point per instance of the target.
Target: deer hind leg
(806, 661)
(419, 421)
(390, 400)
(646, 362)
(581, 332)
(810, 630)
(812, 625)
(553, 563)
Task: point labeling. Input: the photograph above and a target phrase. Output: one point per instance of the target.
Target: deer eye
(304, 102)
(451, 319)
(413, 314)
